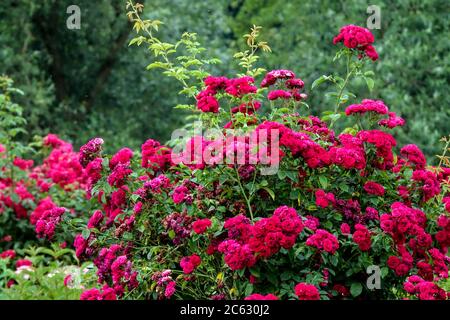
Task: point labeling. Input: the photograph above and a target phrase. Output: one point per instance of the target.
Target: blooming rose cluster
(90, 151)
(407, 225)
(112, 263)
(364, 178)
(61, 166)
(236, 255)
(324, 199)
(47, 222)
(361, 237)
(383, 143)
(414, 156)
(305, 291)
(95, 219)
(429, 184)
(314, 125)
(8, 254)
(291, 84)
(301, 145)
(281, 230)
(367, 105)
(392, 121)
(424, 290)
(237, 87)
(181, 194)
(180, 224)
(323, 240)
(359, 38)
(349, 154)
(155, 156)
(123, 156)
(23, 164)
(189, 264)
(106, 293)
(119, 175)
(60, 169)
(165, 285)
(374, 188)
(199, 226)
(266, 237)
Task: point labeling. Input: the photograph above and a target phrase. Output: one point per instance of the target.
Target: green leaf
(158, 64)
(319, 81)
(323, 181)
(370, 83)
(270, 191)
(86, 233)
(356, 289)
(248, 289)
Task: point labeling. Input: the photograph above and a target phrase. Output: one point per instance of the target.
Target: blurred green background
(85, 83)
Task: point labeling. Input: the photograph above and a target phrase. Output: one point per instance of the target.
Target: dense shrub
(270, 202)
(35, 196)
(336, 204)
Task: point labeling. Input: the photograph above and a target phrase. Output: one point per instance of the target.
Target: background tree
(85, 83)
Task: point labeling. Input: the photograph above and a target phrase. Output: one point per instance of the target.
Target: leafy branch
(183, 67)
(12, 124)
(248, 57)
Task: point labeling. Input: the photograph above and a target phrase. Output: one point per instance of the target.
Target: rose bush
(35, 196)
(338, 203)
(211, 222)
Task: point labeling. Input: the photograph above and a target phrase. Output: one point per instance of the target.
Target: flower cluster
(237, 87)
(414, 156)
(383, 143)
(47, 222)
(237, 256)
(350, 154)
(374, 188)
(112, 264)
(424, 290)
(90, 151)
(257, 296)
(430, 186)
(323, 240)
(180, 224)
(305, 291)
(443, 235)
(189, 264)
(359, 38)
(106, 293)
(324, 199)
(367, 105)
(361, 237)
(392, 121)
(281, 230)
(95, 219)
(200, 226)
(165, 285)
(286, 79)
(155, 156)
(158, 210)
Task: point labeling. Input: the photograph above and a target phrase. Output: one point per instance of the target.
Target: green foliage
(87, 78)
(44, 280)
(81, 78)
(414, 53)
